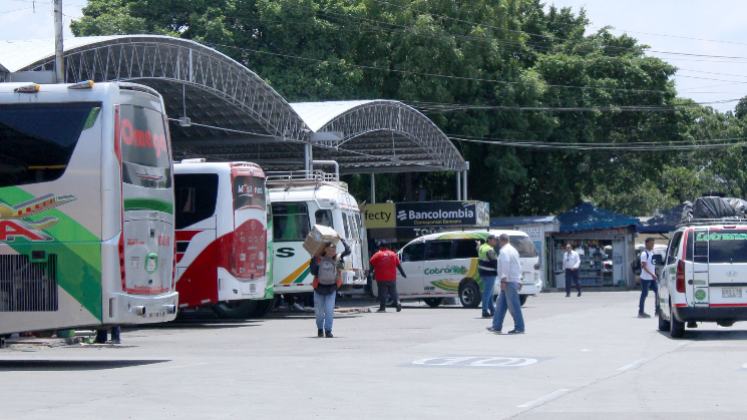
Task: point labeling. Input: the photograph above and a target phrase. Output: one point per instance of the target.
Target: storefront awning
(524, 220)
(589, 217)
(665, 222)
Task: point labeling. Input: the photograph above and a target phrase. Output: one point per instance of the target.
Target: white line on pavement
(631, 366)
(548, 397)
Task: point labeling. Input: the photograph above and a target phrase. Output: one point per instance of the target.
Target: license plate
(252, 288)
(731, 293)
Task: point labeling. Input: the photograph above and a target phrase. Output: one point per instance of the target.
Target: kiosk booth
(604, 240)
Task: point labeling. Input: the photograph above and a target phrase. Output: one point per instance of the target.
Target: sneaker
(399, 307)
(328, 334)
(493, 330)
(567, 295)
(115, 342)
(516, 332)
(643, 315)
(487, 316)
(297, 307)
(319, 333)
(579, 294)
(381, 310)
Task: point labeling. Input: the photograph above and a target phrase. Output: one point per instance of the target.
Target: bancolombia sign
(436, 213)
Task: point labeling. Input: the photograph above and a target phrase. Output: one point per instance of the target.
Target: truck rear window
(724, 247)
(37, 140)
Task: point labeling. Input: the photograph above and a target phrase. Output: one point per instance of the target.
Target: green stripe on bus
(148, 204)
(303, 275)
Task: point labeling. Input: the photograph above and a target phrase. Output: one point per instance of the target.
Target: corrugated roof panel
(317, 114)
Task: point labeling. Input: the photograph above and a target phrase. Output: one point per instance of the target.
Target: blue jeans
(488, 284)
(509, 299)
(645, 286)
(324, 308)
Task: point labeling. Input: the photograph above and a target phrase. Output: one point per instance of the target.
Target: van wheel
(469, 295)
(523, 299)
(263, 308)
(663, 323)
(235, 309)
(676, 328)
(434, 302)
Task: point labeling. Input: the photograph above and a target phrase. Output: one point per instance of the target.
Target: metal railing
(301, 178)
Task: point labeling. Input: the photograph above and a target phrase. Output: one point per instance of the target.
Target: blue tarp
(588, 217)
(527, 220)
(665, 222)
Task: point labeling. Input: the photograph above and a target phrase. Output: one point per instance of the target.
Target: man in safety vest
(487, 268)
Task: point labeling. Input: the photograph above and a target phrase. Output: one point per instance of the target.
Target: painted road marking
(631, 366)
(476, 361)
(544, 398)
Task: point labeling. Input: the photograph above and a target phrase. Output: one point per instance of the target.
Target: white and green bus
(86, 207)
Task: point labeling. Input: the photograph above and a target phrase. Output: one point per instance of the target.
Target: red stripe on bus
(680, 305)
(728, 305)
(186, 235)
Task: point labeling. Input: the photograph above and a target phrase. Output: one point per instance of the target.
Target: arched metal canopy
(255, 122)
(379, 136)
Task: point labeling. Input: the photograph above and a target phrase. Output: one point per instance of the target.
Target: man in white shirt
(571, 262)
(648, 278)
(509, 273)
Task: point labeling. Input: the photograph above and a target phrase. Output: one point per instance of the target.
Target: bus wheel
(523, 299)
(235, 309)
(434, 302)
(469, 295)
(263, 308)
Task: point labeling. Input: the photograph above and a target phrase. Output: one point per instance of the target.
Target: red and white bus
(221, 237)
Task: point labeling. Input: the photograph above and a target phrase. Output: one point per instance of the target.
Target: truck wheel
(663, 323)
(263, 308)
(434, 302)
(469, 295)
(235, 309)
(523, 299)
(676, 328)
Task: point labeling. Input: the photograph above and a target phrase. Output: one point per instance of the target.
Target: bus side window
(414, 252)
(353, 227)
(290, 221)
(345, 224)
(465, 248)
(196, 197)
(324, 217)
(439, 250)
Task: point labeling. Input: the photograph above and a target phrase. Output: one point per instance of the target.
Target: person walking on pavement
(487, 268)
(509, 273)
(571, 262)
(102, 334)
(326, 271)
(649, 279)
(384, 263)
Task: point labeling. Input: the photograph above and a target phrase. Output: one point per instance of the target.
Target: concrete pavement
(582, 358)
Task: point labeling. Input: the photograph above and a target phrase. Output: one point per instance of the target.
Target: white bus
(221, 234)
(86, 207)
(301, 199)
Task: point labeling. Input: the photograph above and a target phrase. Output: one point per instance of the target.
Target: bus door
(248, 253)
(148, 200)
(698, 292)
(196, 234)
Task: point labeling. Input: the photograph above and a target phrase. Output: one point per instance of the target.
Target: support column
(59, 64)
(373, 188)
(459, 185)
(308, 157)
(464, 192)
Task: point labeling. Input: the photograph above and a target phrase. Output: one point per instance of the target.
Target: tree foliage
(526, 54)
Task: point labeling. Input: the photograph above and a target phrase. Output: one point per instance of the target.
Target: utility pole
(58, 63)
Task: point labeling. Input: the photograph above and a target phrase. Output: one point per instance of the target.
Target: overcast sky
(719, 20)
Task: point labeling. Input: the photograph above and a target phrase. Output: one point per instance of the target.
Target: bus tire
(434, 302)
(235, 309)
(263, 308)
(523, 299)
(676, 328)
(663, 323)
(469, 295)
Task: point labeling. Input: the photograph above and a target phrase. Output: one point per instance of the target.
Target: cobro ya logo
(13, 223)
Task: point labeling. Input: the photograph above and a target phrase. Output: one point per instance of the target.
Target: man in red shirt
(384, 263)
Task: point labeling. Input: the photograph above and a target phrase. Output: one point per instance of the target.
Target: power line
(431, 107)
(630, 147)
(474, 79)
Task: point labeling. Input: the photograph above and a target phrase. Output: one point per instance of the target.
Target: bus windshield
(37, 140)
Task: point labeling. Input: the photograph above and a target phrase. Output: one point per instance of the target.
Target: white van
(301, 199)
(445, 264)
(86, 207)
(221, 237)
(704, 278)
